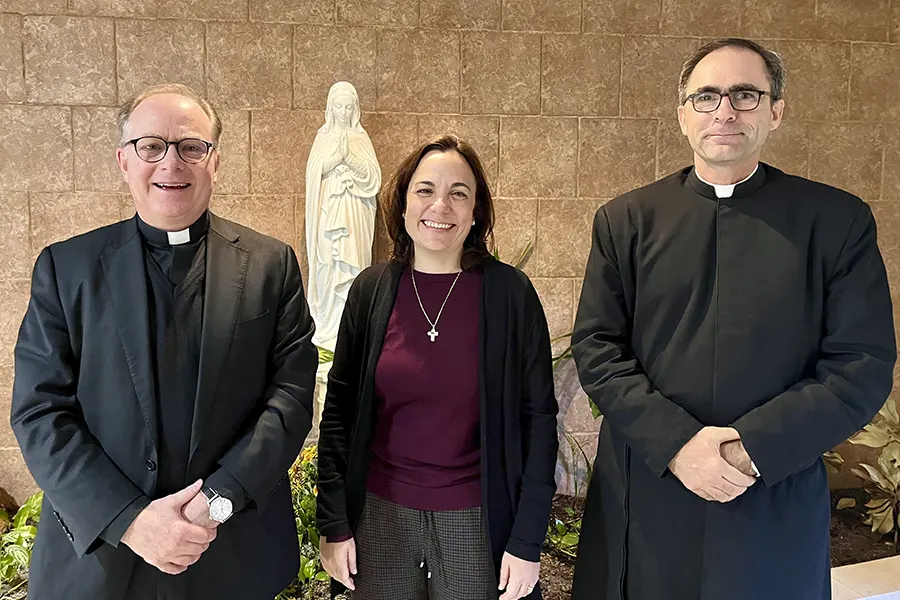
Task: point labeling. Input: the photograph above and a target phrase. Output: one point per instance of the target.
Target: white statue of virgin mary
(342, 181)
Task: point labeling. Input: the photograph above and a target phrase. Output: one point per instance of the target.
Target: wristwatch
(220, 508)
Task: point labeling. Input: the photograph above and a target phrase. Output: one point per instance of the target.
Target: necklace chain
(433, 333)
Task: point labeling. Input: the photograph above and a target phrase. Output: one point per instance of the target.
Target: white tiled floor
(839, 591)
(874, 580)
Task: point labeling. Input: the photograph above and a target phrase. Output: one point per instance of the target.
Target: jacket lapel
(124, 271)
(226, 272)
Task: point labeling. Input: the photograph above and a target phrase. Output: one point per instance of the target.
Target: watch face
(220, 509)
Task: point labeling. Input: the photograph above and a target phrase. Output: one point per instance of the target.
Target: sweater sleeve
(336, 427)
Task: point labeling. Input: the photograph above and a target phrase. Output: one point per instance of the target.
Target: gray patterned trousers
(409, 554)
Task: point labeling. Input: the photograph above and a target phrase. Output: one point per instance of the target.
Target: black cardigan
(518, 409)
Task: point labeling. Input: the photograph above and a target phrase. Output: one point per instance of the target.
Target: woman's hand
(339, 560)
(518, 577)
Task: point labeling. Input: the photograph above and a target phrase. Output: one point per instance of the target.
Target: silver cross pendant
(433, 333)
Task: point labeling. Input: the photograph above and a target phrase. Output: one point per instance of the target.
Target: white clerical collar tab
(726, 191)
(179, 237)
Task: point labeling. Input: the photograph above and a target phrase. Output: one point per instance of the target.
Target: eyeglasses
(153, 149)
(741, 100)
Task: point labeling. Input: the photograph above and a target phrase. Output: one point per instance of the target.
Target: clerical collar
(712, 190)
(726, 191)
(165, 239)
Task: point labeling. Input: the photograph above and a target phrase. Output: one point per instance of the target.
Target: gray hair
(774, 65)
(127, 108)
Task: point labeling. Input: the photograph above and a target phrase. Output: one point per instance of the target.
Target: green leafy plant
(565, 354)
(303, 475)
(522, 259)
(578, 453)
(564, 533)
(17, 541)
(881, 480)
(325, 355)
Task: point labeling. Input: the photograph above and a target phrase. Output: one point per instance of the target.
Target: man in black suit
(164, 383)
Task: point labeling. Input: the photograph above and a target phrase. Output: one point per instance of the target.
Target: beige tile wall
(569, 102)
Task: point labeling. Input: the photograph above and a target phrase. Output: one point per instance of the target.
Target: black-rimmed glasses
(152, 149)
(742, 100)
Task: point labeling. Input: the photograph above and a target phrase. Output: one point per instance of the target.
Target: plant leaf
(873, 436)
(833, 461)
(20, 555)
(569, 540)
(20, 518)
(877, 504)
(889, 459)
(31, 510)
(325, 355)
(878, 478)
(890, 413)
(883, 523)
(310, 570)
(846, 503)
(7, 569)
(524, 255)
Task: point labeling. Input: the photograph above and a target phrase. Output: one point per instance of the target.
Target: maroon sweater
(426, 453)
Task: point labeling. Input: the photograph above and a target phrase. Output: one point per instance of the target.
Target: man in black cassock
(735, 323)
(163, 384)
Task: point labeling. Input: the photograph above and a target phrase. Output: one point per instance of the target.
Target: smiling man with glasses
(735, 323)
(171, 190)
(163, 385)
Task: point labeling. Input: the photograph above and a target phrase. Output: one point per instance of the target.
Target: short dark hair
(774, 64)
(481, 237)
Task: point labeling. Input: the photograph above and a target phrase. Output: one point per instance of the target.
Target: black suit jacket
(84, 411)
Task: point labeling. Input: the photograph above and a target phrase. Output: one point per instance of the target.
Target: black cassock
(768, 312)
